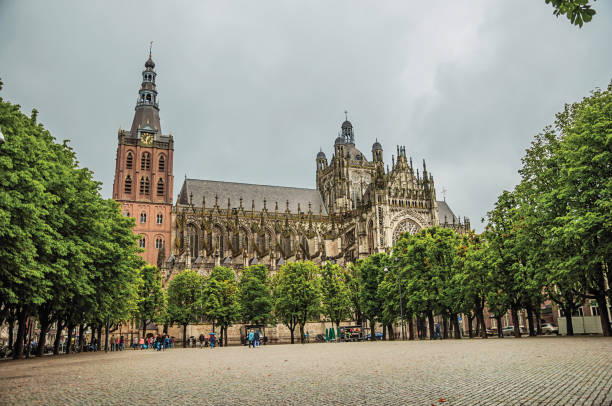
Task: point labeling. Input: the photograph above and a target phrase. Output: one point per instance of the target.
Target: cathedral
(358, 207)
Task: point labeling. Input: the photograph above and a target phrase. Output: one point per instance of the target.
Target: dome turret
(376, 146)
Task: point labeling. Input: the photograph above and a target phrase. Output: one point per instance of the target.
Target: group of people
(254, 339)
(159, 343)
(207, 342)
(117, 344)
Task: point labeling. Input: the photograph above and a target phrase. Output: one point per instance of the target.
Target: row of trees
(67, 256)
(552, 234)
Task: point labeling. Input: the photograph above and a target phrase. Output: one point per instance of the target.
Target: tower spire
(146, 117)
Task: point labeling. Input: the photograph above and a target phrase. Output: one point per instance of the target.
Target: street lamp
(399, 287)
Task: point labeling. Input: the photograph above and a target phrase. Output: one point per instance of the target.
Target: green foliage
(577, 11)
(370, 274)
(255, 295)
(336, 298)
(220, 297)
(65, 253)
(297, 295)
(185, 297)
(151, 304)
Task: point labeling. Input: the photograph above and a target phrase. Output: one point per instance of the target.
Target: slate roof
(445, 210)
(249, 192)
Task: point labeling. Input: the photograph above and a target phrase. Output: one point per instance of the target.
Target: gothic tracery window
(159, 242)
(162, 163)
(143, 217)
(160, 218)
(143, 242)
(128, 160)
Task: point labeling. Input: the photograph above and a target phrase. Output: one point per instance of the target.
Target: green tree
(151, 305)
(475, 276)
(585, 186)
(297, 295)
(335, 293)
(220, 301)
(255, 295)
(371, 273)
(185, 299)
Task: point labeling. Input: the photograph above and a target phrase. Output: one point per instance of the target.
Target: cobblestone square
(529, 371)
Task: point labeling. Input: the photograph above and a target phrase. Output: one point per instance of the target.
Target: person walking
(256, 339)
(212, 340)
(201, 340)
(112, 340)
(437, 331)
(251, 337)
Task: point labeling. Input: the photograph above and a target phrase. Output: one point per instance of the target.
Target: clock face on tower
(146, 138)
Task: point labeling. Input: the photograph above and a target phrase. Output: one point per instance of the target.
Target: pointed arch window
(128, 185)
(143, 242)
(159, 242)
(145, 163)
(160, 218)
(144, 185)
(162, 163)
(160, 187)
(143, 217)
(129, 160)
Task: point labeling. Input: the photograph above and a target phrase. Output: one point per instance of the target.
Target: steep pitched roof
(445, 213)
(249, 192)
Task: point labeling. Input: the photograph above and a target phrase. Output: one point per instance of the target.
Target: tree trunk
(455, 322)
(515, 321)
(500, 334)
(144, 329)
(21, 329)
(410, 328)
(42, 338)
(28, 344)
(292, 329)
(58, 336)
(470, 321)
(302, 334)
(99, 344)
(69, 339)
(106, 331)
(603, 315)
(391, 332)
(11, 327)
(384, 337)
(444, 326)
(184, 335)
(430, 318)
(532, 332)
(166, 329)
(372, 330)
(537, 314)
(225, 334)
(81, 336)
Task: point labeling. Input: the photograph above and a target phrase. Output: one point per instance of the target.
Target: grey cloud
(251, 90)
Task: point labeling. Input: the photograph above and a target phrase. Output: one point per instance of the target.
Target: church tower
(143, 171)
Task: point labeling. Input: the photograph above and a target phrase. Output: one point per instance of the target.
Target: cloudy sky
(251, 90)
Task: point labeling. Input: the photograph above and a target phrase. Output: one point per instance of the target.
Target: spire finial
(346, 115)
(150, 47)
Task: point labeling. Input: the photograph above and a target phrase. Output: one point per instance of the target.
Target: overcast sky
(251, 89)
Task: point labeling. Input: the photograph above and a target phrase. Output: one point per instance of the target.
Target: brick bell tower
(143, 171)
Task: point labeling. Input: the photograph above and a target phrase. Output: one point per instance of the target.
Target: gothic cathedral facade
(359, 206)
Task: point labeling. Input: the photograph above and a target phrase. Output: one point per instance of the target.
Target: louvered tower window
(146, 161)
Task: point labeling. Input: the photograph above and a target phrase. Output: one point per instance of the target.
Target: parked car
(549, 328)
(379, 336)
(509, 330)
(491, 332)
